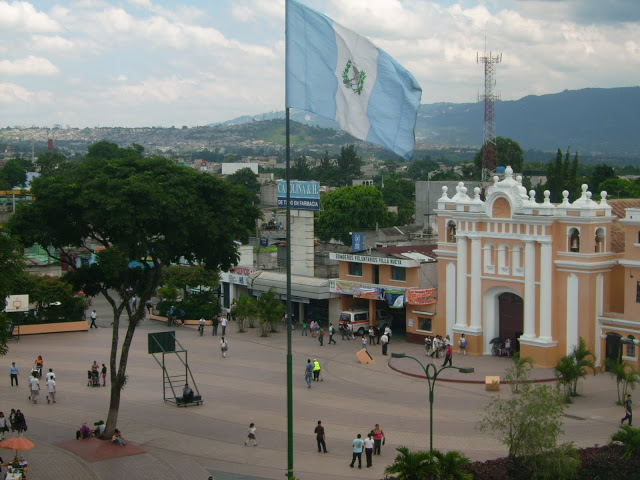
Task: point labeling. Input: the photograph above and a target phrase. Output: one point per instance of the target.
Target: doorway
(613, 349)
(511, 318)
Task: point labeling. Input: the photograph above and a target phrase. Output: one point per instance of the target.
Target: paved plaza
(250, 386)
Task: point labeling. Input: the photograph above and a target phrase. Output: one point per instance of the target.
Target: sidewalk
(250, 386)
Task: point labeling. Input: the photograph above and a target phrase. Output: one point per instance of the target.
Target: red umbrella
(17, 443)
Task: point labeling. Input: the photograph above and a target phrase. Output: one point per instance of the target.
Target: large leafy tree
(571, 368)
(399, 192)
(134, 208)
(301, 169)
(247, 179)
(508, 152)
(350, 209)
(326, 172)
(420, 168)
(48, 162)
(599, 174)
(11, 273)
(14, 173)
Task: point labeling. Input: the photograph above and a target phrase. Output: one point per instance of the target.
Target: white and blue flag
(337, 74)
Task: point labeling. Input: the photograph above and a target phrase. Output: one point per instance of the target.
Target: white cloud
(22, 17)
(45, 43)
(28, 66)
(12, 93)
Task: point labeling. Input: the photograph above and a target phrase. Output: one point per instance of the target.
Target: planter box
(492, 384)
(39, 328)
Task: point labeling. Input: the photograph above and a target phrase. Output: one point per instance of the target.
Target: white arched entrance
(491, 314)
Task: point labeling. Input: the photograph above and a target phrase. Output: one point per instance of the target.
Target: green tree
(11, 273)
(573, 367)
(625, 375)
(246, 311)
(599, 174)
(630, 438)
(350, 209)
(271, 311)
(620, 188)
(48, 162)
(508, 152)
(562, 175)
(247, 179)
(327, 171)
(348, 165)
(143, 209)
(183, 276)
(301, 169)
(450, 466)
(420, 169)
(409, 465)
(399, 192)
(13, 174)
(527, 422)
(519, 371)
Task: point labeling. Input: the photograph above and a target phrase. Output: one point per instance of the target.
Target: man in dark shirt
(319, 431)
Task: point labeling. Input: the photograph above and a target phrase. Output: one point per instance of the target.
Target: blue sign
(357, 242)
(264, 242)
(302, 195)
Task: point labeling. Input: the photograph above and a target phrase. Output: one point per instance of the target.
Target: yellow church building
(541, 274)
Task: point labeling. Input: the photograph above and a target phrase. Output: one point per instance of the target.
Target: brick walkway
(250, 386)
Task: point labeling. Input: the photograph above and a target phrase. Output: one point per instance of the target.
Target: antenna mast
(489, 152)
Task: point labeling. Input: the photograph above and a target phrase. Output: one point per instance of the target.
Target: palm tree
(418, 465)
(567, 372)
(519, 371)
(618, 370)
(449, 466)
(246, 309)
(630, 438)
(271, 311)
(573, 367)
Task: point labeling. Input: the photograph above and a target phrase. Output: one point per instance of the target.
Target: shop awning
(305, 287)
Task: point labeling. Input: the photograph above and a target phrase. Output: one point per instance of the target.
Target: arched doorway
(510, 318)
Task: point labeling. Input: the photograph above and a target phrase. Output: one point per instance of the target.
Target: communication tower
(489, 153)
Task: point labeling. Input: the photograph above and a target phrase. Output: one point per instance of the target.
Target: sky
(135, 63)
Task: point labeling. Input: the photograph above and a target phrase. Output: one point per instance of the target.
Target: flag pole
(288, 250)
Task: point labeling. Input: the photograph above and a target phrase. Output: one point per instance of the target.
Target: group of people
(95, 373)
(16, 423)
(312, 371)
(219, 320)
(371, 445)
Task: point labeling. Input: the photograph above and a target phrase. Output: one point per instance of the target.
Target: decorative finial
(496, 179)
(603, 196)
(565, 198)
(547, 194)
(444, 193)
(532, 195)
(519, 179)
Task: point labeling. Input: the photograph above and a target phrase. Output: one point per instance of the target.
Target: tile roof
(618, 207)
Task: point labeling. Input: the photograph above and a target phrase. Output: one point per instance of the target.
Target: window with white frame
(631, 346)
(489, 262)
(503, 259)
(518, 260)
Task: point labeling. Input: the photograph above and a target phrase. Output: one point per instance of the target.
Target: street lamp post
(431, 372)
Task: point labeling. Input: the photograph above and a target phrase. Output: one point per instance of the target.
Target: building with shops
(540, 274)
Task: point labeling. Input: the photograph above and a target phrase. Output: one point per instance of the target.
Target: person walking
(34, 387)
(94, 317)
(251, 435)
(21, 423)
(103, 373)
(321, 336)
(331, 332)
(50, 374)
(358, 445)
(368, 449)
(201, 325)
(304, 328)
(462, 345)
(51, 390)
(224, 346)
(385, 343)
(447, 356)
(316, 370)
(350, 331)
(308, 372)
(223, 324)
(628, 413)
(214, 323)
(388, 333)
(343, 331)
(13, 373)
(364, 342)
(319, 431)
(378, 439)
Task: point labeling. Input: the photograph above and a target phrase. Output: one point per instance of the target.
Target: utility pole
(489, 152)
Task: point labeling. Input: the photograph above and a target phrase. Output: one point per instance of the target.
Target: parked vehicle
(360, 320)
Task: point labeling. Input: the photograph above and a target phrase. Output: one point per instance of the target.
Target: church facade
(540, 274)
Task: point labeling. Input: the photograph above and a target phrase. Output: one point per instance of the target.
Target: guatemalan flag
(339, 75)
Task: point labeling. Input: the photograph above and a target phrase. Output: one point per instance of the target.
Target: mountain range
(591, 120)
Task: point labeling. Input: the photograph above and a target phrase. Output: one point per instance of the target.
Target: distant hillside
(596, 120)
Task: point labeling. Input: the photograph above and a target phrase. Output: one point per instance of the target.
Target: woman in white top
(3, 425)
(224, 346)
